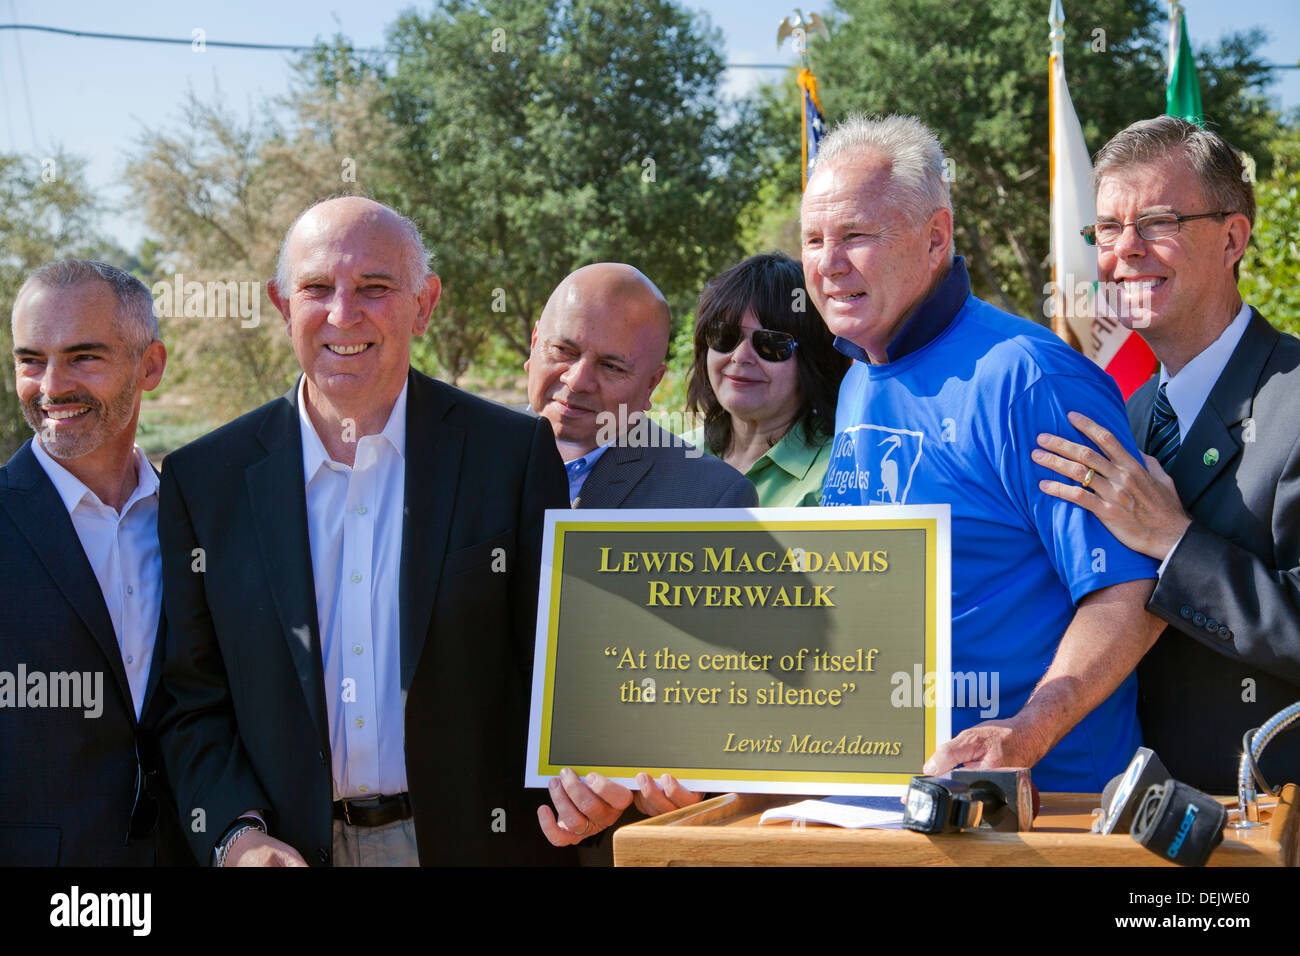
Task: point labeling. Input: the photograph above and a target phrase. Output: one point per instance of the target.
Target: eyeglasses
(1160, 226)
(769, 344)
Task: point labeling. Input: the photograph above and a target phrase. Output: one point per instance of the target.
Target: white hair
(918, 175)
(136, 321)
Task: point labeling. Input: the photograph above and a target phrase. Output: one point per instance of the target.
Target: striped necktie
(1163, 442)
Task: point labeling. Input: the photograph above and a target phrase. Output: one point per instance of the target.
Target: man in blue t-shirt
(946, 398)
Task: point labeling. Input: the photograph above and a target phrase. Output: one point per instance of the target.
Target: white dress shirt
(1189, 390)
(354, 522)
(122, 548)
(1191, 387)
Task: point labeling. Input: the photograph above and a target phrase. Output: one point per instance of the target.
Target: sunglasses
(769, 344)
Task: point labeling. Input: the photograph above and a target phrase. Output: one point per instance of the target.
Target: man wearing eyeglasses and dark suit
(80, 583)
(1218, 503)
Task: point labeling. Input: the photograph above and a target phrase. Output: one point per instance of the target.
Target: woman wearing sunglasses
(765, 380)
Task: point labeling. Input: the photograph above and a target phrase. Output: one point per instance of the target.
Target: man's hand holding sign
(587, 805)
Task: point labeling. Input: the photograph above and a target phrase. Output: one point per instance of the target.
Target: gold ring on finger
(1087, 479)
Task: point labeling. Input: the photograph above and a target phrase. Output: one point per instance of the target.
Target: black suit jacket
(1230, 658)
(663, 473)
(249, 727)
(67, 780)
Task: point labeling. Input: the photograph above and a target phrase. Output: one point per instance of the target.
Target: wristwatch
(232, 834)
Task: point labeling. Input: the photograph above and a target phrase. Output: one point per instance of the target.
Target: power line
(27, 92)
(283, 47)
(135, 38)
(9, 120)
(296, 48)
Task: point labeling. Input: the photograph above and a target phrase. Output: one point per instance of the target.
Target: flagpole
(1182, 85)
(799, 26)
(1056, 19)
(1078, 307)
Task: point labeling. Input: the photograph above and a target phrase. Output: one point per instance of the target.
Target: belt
(373, 811)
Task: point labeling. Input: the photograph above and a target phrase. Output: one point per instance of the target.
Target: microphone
(1179, 823)
(1004, 800)
(1123, 795)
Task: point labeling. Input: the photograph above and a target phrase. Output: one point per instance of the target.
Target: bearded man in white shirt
(80, 639)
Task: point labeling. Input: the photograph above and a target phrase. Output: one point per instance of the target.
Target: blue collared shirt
(579, 469)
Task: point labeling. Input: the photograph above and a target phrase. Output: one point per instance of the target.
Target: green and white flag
(1182, 88)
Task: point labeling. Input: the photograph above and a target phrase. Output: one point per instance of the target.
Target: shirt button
(356, 578)
(129, 589)
(361, 721)
(1198, 619)
(1211, 625)
(1186, 612)
(130, 658)
(361, 509)
(356, 648)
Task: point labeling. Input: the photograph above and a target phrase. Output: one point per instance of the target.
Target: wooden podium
(724, 831)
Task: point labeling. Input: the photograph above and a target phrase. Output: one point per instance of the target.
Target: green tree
(976, 72)
(46, 212)
(543, 135)
(218, 192)
(771, 220)
(1268, 271)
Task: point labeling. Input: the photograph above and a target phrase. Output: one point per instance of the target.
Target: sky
(95, 97)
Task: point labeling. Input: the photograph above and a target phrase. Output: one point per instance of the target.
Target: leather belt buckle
(373, 811)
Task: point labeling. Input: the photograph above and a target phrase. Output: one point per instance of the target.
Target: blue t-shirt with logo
(954, 422)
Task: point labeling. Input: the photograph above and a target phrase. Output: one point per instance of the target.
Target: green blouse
(789, 474)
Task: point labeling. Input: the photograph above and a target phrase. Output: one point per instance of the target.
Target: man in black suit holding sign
(351, 578)
(597, 355)
(1219, 500)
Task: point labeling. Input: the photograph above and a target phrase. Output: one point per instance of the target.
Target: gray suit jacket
(663, 472)
(1230, 658)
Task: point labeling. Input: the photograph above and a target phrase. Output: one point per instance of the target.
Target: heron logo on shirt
(872, 465)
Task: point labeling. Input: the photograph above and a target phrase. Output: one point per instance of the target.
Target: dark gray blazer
(68, 780)
(1230, 658)
(665, 473)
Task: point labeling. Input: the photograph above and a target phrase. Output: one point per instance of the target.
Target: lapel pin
(1211, 456)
